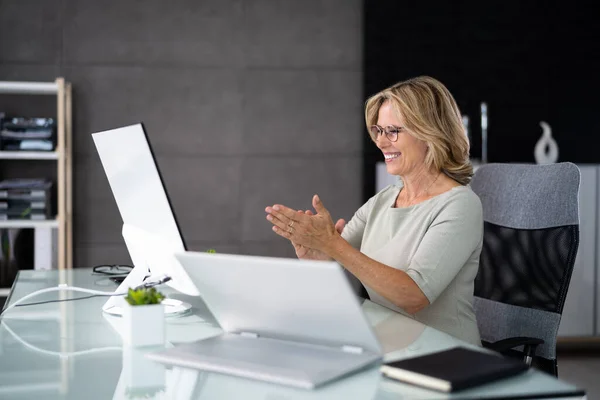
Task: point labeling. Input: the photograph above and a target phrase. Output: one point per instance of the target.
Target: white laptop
(285, 321)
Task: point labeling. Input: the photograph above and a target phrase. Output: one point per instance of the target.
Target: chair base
(543, 364)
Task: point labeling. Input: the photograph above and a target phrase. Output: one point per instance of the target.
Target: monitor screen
(137, 184)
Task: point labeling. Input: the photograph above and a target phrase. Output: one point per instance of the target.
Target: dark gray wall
(246, 102)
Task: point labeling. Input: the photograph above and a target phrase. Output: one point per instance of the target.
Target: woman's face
(407, 154)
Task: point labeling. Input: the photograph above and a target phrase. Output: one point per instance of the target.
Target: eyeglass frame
(120, 269)
(381, 130)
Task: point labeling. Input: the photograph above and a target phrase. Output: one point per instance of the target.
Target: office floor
(581, 368)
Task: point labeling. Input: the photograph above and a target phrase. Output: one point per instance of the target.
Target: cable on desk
(64, 287)
(72, 299)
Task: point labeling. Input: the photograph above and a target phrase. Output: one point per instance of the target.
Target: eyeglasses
(391, 132)
(112, 269)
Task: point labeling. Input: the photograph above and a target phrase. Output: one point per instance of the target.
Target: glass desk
(71, 350)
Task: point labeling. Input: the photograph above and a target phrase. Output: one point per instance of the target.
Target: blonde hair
(430, 114)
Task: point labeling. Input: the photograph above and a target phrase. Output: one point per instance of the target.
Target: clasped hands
(311, 234)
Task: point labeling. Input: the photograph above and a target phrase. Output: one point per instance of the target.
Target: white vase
(143, 325)
(546, 148)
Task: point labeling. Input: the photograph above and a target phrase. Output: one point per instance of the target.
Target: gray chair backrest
(531, 236)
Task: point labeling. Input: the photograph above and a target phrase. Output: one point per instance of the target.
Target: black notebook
(454, 369)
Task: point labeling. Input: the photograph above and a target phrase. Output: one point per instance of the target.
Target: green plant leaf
(143, 296)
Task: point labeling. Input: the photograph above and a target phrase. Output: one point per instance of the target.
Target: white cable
(59, 288)
(65, 287)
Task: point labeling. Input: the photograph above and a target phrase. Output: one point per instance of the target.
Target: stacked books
(28, 134)
(25, 199)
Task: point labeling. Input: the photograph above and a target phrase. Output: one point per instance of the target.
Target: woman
(415, 246)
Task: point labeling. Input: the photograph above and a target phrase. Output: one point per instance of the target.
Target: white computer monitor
(149, 222)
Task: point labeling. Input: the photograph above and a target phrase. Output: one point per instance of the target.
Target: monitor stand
(151, 260)
(114, 306)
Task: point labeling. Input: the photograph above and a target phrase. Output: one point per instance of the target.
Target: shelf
(28, 155)
(28, 87)
(25, 223)
(53, 239)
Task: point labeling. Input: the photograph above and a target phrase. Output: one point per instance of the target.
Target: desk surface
(71, 350)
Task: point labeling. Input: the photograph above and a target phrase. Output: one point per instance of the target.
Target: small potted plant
(144, 318)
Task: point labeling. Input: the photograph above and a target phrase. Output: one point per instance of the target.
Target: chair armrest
(529, 346)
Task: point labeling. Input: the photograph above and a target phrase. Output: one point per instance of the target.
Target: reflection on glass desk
(71, 350)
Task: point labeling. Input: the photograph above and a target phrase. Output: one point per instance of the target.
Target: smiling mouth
(391, 157)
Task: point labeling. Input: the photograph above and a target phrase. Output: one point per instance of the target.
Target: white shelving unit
(53, 238)
(29, 224)
(8, 87)
(28, 155)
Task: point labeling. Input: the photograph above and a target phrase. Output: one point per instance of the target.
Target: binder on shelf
(30, 215)
(24, 195)
(25, 189)
(27, 134)
(29, 199)
(12, 203)
(28, 210)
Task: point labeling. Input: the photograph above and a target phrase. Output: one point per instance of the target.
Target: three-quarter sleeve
(355, 228)
(449, 242)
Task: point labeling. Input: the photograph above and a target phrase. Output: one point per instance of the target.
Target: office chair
(531, 236)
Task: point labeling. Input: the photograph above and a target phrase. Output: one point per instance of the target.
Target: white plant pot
(143, 325)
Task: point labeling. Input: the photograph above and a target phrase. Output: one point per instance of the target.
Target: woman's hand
(306, 253)
(306, 231)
